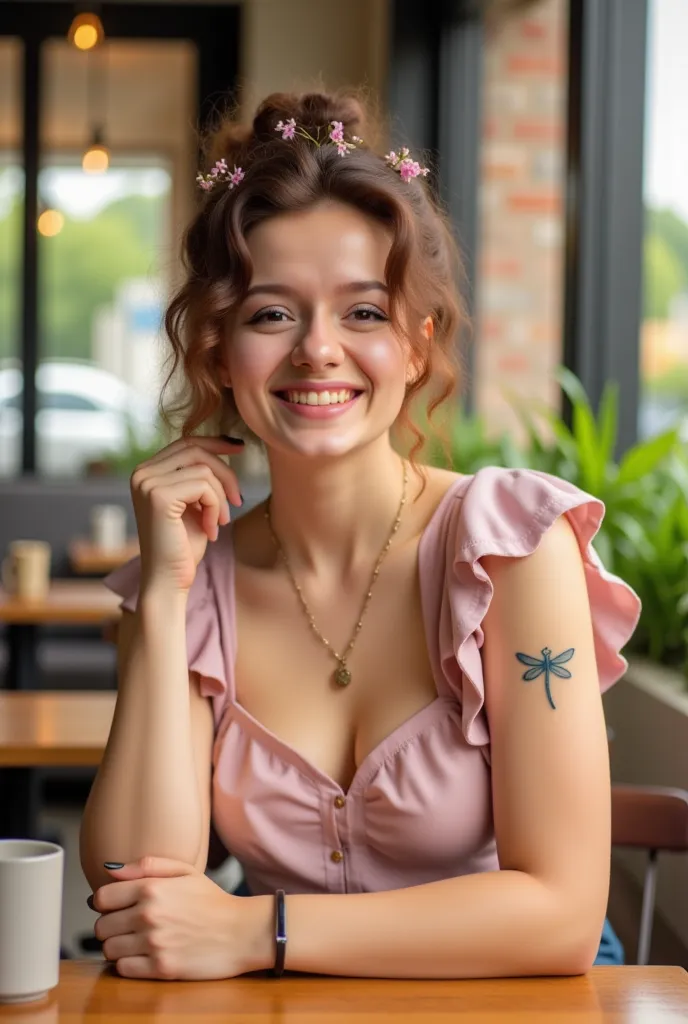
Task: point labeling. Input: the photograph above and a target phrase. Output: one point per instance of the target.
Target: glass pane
(108, 243)
(664, 337)
(11, 218)
(518, 334)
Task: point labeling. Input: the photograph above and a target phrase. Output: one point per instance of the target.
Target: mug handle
(8, 573)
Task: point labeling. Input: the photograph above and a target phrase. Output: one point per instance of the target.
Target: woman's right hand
(180, 500)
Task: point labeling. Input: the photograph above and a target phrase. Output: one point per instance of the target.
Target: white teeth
(320, 397)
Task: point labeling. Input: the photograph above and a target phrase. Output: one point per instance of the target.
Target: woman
(384, 682)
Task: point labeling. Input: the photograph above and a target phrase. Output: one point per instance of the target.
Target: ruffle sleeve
(507, 512)
(204, 647)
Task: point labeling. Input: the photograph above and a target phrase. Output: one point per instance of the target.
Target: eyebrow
(351, 286)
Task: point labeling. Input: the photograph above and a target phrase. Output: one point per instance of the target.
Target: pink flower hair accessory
(407, 167)
(220, 172)
(333, 133)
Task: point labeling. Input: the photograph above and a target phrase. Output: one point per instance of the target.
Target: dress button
(337, 856)
(339, 801)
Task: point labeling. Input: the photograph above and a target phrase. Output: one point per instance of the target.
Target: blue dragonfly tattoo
(546, 665)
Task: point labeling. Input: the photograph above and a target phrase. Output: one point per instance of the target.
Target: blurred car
(83, 414)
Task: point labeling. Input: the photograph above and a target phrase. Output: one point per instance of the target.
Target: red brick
(499, 172)
(502, 267)
(491, 327)
(521, 64)
(535, 202)
(514, 362)
(533, 30)
(539, 131)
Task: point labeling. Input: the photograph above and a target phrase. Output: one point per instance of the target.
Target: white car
(83, 412)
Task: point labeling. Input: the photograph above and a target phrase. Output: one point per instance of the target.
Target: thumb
(150, 867)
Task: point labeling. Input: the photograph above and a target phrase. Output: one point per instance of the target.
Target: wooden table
(86, 558)
(91, 992)
(68, 602)
(46, 729)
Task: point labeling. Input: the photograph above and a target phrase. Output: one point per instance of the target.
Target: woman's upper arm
(550, 765)
(202, 729)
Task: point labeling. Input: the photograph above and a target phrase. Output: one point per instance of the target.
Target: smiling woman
(338, 679)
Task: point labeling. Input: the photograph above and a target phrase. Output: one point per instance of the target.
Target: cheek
(251, 362)
(383, 361)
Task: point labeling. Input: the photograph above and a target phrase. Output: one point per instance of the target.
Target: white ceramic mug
(26, 569)
(31, 881)
(109, 526)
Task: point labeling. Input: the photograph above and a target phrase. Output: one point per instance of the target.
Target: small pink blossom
(391, 157)
(287, 128)
(236, 176)
(337, 133)
(409, 169)
(343, 148)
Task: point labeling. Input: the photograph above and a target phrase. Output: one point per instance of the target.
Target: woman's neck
(333, 517)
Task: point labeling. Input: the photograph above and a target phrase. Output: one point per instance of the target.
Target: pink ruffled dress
(419, 806)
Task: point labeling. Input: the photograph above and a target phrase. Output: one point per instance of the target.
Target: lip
(317, 412)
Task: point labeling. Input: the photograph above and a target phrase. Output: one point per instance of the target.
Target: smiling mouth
(339, 396)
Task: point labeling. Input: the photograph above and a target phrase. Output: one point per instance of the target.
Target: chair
(653, 818)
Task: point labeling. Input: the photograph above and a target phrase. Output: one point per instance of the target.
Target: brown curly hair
(422, 272)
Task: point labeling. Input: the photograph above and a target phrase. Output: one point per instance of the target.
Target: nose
(318, 346)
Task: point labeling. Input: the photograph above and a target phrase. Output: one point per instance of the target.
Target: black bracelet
(280, 933)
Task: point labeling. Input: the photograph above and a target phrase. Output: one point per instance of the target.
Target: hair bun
(310, 111)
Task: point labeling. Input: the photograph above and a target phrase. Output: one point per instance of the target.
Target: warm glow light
(86, 31)
(50, 223)
(95, 160)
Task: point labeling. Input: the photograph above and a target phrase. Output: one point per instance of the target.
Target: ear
(428, 329)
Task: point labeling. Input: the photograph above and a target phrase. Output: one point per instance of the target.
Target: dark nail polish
(232, 440)
(89, 903)
(112, 865)
(242, 497)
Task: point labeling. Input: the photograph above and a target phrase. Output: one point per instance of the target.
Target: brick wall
(519, 301)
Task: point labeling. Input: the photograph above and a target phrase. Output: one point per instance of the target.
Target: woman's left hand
(165, 919)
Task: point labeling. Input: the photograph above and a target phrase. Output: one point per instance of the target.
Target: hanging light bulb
(96, 159)
(50, 223)
(86, 31)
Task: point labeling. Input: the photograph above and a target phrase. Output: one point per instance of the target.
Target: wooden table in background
(68, 602)
(42, 729)
(91, 992)
(86, 559)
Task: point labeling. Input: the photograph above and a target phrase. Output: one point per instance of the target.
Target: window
(664, 329)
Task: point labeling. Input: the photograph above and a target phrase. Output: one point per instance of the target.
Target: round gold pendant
(342, 676)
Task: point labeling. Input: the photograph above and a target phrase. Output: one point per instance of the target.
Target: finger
(215, 445)
(153, 867)
(118, 922)
(191, 485)
(117, 896)
(136, 967)
(198, 456)
(133, 944)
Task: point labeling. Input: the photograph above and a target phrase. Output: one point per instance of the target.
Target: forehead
(329, 243)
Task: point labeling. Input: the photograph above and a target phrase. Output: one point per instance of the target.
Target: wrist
(259, 932)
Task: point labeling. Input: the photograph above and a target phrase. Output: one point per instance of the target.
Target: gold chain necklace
(342, 675)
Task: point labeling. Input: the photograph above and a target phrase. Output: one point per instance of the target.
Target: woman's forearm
(145, 798)
(486, 925)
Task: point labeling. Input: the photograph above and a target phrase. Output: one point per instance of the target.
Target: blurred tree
(665, 261)
(79, 270)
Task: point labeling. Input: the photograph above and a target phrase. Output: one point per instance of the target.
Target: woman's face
(314, 364)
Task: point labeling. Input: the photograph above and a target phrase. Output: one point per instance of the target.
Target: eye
(270, 316)
(368, 314)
